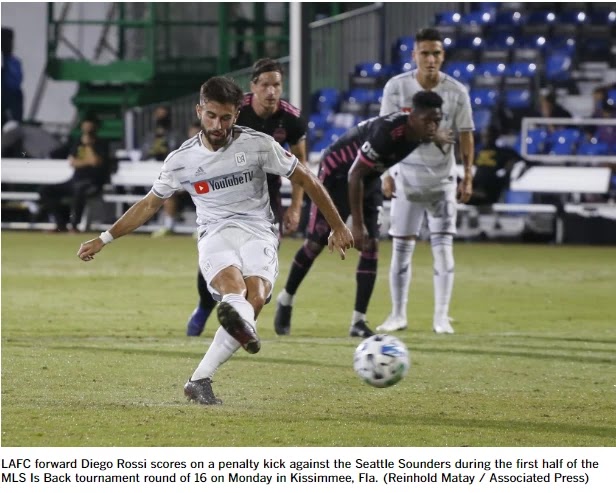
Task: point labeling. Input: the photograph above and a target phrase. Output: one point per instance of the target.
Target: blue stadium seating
(536, 142)
(482, 118)
(402, 49)
(448, 18)
(557, 67)
(481, 17)
(541, 17)
(461, 71)
(483, 97)
(517, 98)
(509, 18)
(326, 100)
(592, 147)
(521, 69)
(564, 141)
(491, 69)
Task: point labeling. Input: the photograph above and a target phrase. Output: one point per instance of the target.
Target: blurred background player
(425, 182)
(379, 142)
(263, 109)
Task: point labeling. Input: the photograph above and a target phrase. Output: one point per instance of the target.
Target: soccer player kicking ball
(224, 169)
(378, 143)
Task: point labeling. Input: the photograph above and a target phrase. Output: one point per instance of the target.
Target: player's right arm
(139, 213)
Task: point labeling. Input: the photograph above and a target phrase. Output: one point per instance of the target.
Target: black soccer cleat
(237, 328)
(201, 392)
(360, 329)
(282, 319)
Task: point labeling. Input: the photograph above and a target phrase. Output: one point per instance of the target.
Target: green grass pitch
(95, 353)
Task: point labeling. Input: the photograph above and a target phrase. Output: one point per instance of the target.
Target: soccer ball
(381, 360)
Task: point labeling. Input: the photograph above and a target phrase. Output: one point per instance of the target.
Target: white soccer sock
(442, 252)
(400, 273)
(169, 222)
(357, 317)
(285, 298)
(222, 348)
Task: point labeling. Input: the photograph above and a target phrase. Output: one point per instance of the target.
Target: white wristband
(106, 237)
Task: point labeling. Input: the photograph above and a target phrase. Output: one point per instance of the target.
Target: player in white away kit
(224, 169)
(425, 182)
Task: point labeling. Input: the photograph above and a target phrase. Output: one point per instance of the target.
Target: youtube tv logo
(201, 187)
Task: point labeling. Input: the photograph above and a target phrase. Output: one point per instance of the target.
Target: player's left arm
(467, 151)
(292, 214)
(464, 123)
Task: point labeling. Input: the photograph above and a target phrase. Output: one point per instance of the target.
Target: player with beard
(224, 169)
(264, 110)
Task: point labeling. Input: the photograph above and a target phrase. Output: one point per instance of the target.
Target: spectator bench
(141, 174)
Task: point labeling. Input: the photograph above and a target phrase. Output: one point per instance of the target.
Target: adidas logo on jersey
(199, 170)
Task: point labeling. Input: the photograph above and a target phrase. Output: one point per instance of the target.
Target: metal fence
(337, 44)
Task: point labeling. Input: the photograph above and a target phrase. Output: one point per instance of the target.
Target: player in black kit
(264, 110)
(370, 147)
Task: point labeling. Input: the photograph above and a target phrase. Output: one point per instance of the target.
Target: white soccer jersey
(229, 186)
(430, 167)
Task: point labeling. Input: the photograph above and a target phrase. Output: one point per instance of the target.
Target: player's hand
(444, 137)
(340, 239)
(465, 189)
(388, 187)
(360, 235)
(290, 220)
(90, 248)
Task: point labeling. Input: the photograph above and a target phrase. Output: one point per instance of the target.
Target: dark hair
(427, 100)
(428, 34)
(223, 90)
(265, 65)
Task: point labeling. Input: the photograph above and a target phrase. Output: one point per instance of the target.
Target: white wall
(29, 23)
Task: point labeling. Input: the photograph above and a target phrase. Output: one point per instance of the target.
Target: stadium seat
(521, 69)
(592, 147)
(482, 118)
(447, 18)
(318, 123)
(469, 42)
(402, 49)
(370, 74)
(480, 17)
(461, 71)
(563, 142)
(484, 97)
(501, 40)
(326, 100)
(489, 74)
(564, 44)
(541, 17)
(517, 98)
(536, 139)
(509, 18)
(558, 67)
(356, 101)
(573, 17)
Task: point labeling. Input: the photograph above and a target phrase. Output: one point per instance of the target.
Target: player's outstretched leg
(199, 316)
(200, 391)
(237, 327)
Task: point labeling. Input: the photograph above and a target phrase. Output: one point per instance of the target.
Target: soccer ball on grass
(381, 360)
